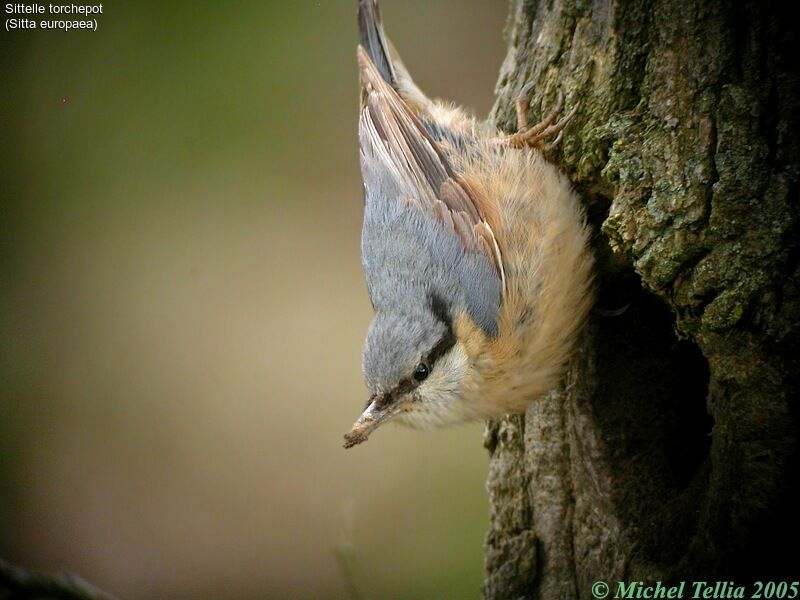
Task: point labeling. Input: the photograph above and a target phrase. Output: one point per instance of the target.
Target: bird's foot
(538, 135)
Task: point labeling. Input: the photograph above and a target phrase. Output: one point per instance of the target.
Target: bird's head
(415, 369)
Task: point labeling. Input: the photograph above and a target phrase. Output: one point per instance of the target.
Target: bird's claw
(537, 135)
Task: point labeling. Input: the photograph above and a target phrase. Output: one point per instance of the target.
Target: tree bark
(668, 452)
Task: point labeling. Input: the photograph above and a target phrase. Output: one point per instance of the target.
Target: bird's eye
(421, 371)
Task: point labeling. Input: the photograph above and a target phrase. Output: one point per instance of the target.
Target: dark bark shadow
(652, 415)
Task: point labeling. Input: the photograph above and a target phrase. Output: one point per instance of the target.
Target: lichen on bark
(669, 448)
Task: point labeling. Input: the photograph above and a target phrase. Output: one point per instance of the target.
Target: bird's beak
(378, 411)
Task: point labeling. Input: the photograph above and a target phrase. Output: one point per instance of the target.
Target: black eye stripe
(405, 386)
(448, 340)
(440, 348)
(439, 310)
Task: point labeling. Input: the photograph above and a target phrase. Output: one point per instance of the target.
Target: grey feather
(423, 236)
(408, 255)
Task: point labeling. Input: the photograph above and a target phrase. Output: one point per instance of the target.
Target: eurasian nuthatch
(474, 250)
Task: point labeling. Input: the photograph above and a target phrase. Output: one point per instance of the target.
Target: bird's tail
(373, 40)
(384, 56)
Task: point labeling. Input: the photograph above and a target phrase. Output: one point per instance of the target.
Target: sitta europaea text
(475, 251)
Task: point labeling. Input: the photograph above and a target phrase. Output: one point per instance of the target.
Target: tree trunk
(668, 453)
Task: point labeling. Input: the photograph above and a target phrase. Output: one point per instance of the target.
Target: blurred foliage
(182, 307)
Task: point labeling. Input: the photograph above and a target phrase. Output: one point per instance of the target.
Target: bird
(475, 251)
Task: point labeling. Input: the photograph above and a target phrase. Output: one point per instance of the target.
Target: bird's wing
(412, 158)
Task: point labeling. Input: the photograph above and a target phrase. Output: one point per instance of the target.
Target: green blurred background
(182, 307)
